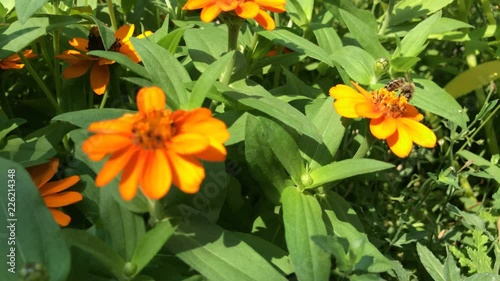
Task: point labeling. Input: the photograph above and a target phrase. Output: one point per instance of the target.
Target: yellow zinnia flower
(14, 61)
(51, 191)
(156, 147)
(80, 62)
(392, 118)
(247, 9)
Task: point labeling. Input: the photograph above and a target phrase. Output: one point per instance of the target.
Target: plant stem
(40, 83)
(233, 30)
(57, 65)
(104, 99)
(114, 24)
(387, 18)
(4, 102)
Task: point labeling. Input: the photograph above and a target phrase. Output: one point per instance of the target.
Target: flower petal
(157, 176)
(367, 110)
(150, 99)
(419, 133)
(361, 90)
(209, 13)
(10, 65)
(114, 165)
(400, 143)
(80, 44)
(77, 69)
(247, 10)
(214, 152)
(276, 6)
(98, 146)
(99, 78)
(188, 173)
(125, 32)
(61, 218)
(122, 126)
(57, 186)
(197, 4)
(62, 199)
(188, 143)
(41, 174)
(412, 113)
(128, 49)
(383, 127)
(132, 173)
(265, 20)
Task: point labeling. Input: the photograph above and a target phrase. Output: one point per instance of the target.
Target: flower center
(390, 102)
(153, 129)
(95, 41)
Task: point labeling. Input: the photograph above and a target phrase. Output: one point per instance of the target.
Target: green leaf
(327, 120)
(431, 263)
(298, 44)
(205, 46)
(205, 82)
(165, 71)
(278, 109)
(302, 218)
(473, 78)
(284, 147)
(407, 10)
(448, 24)
(151, 243)
(172, 40)
(30, 234)
(487, 166)
(358, 64)
(296, 12)
(403, 64)
(345, 169)
(483, 277)
(30, 153)
(26, 8)
(98, 249)
(17, 36)
(123, 227)
(343, 211)
(204, 247)
(8, 125)
(83, 118)
(123, 60)
(414, 42)
(263, 163)
(107, 34)
(451, 271)
(327, 38)
(469, 219)
(429, 96)
(363, 32)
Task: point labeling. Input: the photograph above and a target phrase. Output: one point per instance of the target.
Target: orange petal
(277, 6)
(62, 199)
(227, 6)
(265, 20)
(122, 126)
(103, 61)
(157, 175)
(150, 99)
(212, 128)
(11, 65)
(188, 143)
(77, 69)
(346, 108)
(128, 49)
(209, 13)
(13, 58)
(132, 173)
(41, 174)
(215, 152)
(247, 10)
(98, 146)
(197, 4)
(80, 44)
(412, 113)
(29, 54)
(99, 78)
(400, 143)
(60, 185)
(383, 127)
(188, 173)
(367, 110)
(361, 90)
(125, 32)
(419, 133)
(193, 116)
(61, 218)
(114, 165)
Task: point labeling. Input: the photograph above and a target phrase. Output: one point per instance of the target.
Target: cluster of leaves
(279, 208)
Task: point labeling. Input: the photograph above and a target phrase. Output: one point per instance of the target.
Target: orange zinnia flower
(247, 9)
(80, 62)
(13, 61)
(392, 118)
(156, 147)
(51, 191)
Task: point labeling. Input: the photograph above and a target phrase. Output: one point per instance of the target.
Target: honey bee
(405, 86)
